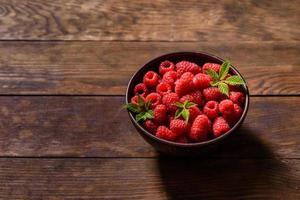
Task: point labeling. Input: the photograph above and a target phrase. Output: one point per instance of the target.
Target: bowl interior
(196, 57)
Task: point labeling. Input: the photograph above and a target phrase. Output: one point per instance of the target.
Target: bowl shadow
(241, 170)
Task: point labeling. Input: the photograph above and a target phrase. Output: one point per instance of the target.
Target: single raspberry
(186, 97)
(169, 100)
(160, 114)
(201, 81)
(211, 109)
(166, 66)
(226, 107)
(165, 133)
(186, 66)
(150, 126)
(151, 79)
(170, 78)
(200, 129)
(135, 99)
(213, 66)
(237, 97)
(178, 126)
(182, 139)
(212, 93)
(141, 89)
(235, 116)
(197, 95)
(163, 88)
(154, 98)
(194, 112)
(185, 84)
(220, 126)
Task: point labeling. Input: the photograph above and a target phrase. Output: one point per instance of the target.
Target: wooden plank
(97, 127)
(106, 67)
(189, 20)
(149, 179)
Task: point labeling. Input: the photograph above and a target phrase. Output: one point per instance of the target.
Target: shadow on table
(238, 171)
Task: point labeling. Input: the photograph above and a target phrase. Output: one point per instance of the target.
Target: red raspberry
(154, 98)
(163, 88)
(211, 109)
(213, 66)
(182, 139)
(165, 133)
(185, 84)
(237, 97)
(141, 89)
(212, 93)
(186, 66)
(235, 116)
(226, 107)
(220, 126)
(160, 114)
(150, 126)
(201, 81)
(166, 66)
(135, 99)
(197, 95)
(151, 79)
(194, 112)
(178, 126)
(200, 128)
(186, 97)
(169, 100)
(170, 78)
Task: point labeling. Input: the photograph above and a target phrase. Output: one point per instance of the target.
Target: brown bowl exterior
(172, 148)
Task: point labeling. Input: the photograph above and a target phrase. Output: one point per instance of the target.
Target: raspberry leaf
(141, 101)
(213, 74)
(190, 104)
(132, 107)
(179, 105)
(178, 113)
(144, 116)
(186, 114)
(224, 69)
(224, 89)
(234, 80)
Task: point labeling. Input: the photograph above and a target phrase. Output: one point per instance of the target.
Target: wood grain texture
(105, 67)
(190, 20)
(97, 127)
(149, 179)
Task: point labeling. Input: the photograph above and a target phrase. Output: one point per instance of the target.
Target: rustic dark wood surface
(64, 67)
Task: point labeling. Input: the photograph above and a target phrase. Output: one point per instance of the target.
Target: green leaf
(141, 101)
(139, 116)
(179, 105)
(132, 107)
(224, 69)
(147, 105)
(213, 74)
(223, 87)
(186, 114)
(144, 115)
(190, 104)
(234, 80)
(149, 114)
(178, 113)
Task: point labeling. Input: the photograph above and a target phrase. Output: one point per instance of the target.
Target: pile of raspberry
(185, 107)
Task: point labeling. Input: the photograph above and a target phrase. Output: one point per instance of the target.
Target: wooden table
(64, 67)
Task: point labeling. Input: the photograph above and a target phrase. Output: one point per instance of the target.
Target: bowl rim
(196, 144)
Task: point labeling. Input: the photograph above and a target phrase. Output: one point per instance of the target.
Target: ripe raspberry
(165, 133)
(235, 116)
(194, 112)
(178, 126)
(163, 88)
(135, 99)
(151, 79)
(197, 95)
(150, 126)
(187, 97)
(226, 107)
(213, 66)
(200, 128)
(211, 109)
(166, 66)
(170, 78)
(169, 100)
(220, 126)
(160, 114)
(185, 84)
(212, 94)
(201, 81)
(141, 89)
(186, 66)
(154, 98)
(237, 97)
(182, 139)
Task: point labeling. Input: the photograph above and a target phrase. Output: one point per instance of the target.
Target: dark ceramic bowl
(173, 148)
